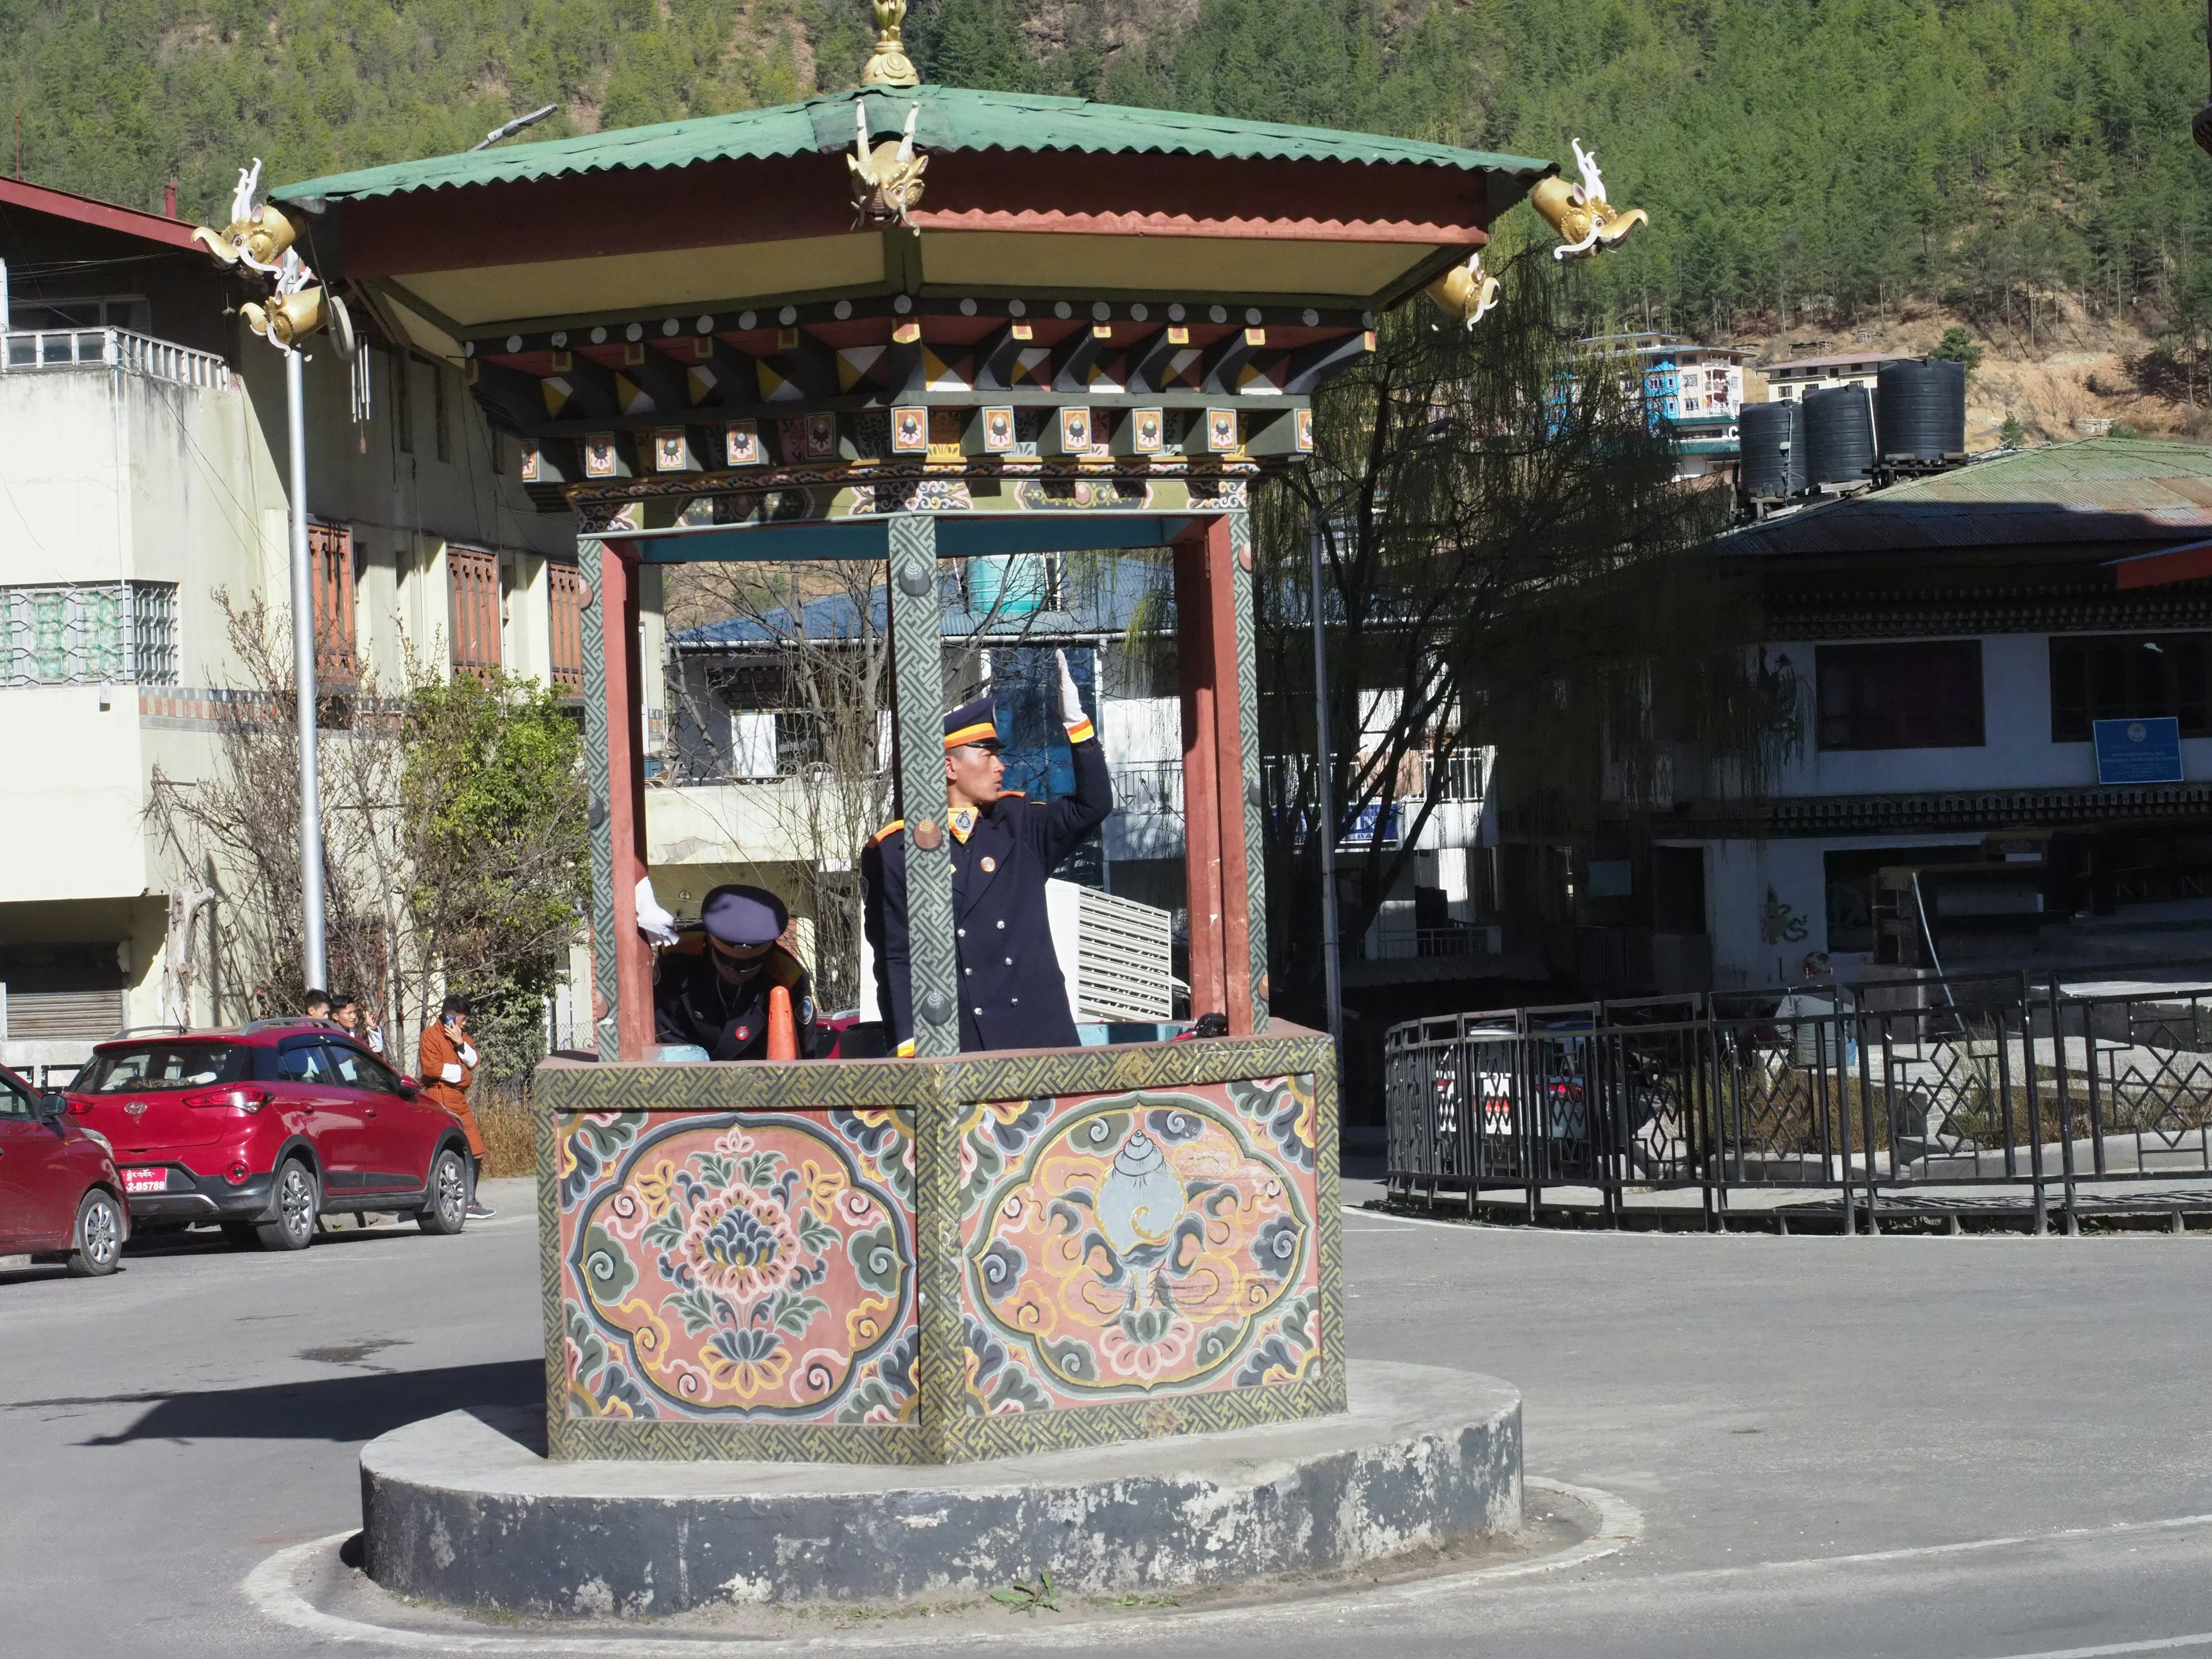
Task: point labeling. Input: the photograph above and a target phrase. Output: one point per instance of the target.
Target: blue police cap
(972, 722)
(744, 916)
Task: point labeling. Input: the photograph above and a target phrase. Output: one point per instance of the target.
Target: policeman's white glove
(1071, 701)
(652, 920)
(452, 1075)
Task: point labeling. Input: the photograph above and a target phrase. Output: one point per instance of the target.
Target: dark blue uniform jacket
(693, 1003)
(1010, 993)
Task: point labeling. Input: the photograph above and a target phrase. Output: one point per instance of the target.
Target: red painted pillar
(1213, 777)
(625, 677)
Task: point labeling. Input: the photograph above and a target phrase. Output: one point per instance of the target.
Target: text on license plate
(145, 1181)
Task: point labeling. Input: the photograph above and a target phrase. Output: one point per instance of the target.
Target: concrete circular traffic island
(457, 1511)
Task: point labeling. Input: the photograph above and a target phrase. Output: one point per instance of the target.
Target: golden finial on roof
(888, 66)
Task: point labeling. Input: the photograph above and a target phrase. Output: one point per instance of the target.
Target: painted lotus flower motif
(741, 1243)
(1145, 1344)
(752, 1269)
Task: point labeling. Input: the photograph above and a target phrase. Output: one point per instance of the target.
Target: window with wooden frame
(1920, 694)
(329, 568)
(566, 635)
(2122, 677)
(472, 582)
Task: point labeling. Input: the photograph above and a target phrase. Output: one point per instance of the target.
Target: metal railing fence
(34, 349)
(1962, 1083)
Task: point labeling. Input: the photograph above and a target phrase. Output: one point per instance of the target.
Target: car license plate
(145, 1181)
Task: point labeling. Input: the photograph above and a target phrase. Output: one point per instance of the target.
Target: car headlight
(106, 1145)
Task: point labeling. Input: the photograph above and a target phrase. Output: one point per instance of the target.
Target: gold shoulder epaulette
(887, 831)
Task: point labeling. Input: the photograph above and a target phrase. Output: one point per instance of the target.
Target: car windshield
(150, 1066)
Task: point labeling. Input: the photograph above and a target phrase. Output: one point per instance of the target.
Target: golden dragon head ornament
(1588, 224)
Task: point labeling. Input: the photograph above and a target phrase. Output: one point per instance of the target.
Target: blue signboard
(1361, 834)
(2138, 751)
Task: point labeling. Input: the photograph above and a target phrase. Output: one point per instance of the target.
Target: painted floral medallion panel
(738, 1268)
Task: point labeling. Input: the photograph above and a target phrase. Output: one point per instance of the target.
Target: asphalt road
(1981, 1447)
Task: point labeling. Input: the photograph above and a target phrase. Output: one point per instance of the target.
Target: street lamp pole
(314, 960)
(1334, 972)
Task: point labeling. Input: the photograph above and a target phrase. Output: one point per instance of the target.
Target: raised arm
(1067, 821)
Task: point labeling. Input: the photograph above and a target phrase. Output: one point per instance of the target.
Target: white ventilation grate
(1126, 959)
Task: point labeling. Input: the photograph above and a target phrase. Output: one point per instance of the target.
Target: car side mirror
(410, 1087)
(53, 1104)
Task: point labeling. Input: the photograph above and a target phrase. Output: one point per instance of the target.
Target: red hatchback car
(60, 1196)
(262, 1128)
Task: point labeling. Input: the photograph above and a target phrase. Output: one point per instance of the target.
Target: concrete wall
(2016, 753)
(115, 476)
(1766, 903)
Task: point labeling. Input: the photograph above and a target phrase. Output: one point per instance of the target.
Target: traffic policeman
(717, 1000)
(1004, 849)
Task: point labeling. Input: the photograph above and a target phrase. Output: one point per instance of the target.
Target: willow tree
(1507, 562)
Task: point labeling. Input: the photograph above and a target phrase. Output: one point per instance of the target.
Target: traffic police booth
(913, 324)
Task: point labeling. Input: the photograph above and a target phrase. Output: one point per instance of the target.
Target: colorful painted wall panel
(1116, 1244)
(1132, 1246)
(739, 1268)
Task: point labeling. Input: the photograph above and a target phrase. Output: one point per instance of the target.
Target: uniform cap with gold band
(972, 722)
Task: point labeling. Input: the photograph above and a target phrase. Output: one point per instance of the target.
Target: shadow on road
(336, 1408)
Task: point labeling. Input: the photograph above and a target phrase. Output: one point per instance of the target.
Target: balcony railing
(33, 350)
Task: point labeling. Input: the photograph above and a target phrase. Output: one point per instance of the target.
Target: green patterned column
(1247, 718)
(604, 967)
(917, 638)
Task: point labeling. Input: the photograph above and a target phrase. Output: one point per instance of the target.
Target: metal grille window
(85, 633)
(567, 637)
(473, 576)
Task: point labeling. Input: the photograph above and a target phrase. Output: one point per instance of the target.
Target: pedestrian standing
(316, 1005)
(348, 1015)
(448, 1063)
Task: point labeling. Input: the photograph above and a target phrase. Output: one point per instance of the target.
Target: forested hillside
(1799, 157)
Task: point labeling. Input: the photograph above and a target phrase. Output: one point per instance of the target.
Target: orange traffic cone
(782, 1030)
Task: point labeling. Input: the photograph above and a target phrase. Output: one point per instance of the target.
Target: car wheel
(297, 1201)
(99, 1237)
(448, 1211)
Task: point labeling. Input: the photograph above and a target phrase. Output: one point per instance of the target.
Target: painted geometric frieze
(1131, 1246)
(749, 1268)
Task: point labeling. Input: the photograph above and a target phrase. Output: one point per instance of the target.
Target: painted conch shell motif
(1141, 1199)
(1586, 222)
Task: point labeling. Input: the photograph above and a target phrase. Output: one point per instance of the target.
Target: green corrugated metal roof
(2094, 490)
(953, 118)
(2088, 472)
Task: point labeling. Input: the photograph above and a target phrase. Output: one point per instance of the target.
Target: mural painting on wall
(738, 1268)
(1118, 1247)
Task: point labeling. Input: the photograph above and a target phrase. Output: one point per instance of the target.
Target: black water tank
(1920, 409)
(1773, 438)
(1839, 436)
